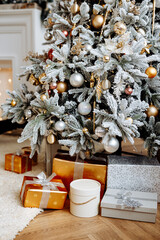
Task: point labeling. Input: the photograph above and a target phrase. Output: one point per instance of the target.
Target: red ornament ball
(50, 55)
(53, 85)
(49, 92)
(65, 33)
(128, 90)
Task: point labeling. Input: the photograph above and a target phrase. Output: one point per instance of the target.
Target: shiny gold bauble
(120, 28)
(129, 119)
(62, 87)
(43, 97)
(152, 111)
(106, 58)
(85, 130)
(97, 21)
(51, 138)
(41, 76)
(151, 72)
(75, 8)
(13, 103)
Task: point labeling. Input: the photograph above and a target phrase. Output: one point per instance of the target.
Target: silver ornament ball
(100, 132)
(88, 47)
(84, 108)
(47, 36)
(60, 125)
(111, 145)
(28, 113)
(76, 80)
(106, 84)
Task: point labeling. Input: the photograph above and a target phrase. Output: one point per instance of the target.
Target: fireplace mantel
(21, 31)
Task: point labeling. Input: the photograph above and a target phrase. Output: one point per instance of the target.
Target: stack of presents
(130, 186)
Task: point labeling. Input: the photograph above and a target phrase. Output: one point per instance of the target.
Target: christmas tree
(99, 81)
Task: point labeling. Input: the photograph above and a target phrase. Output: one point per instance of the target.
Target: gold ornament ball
(41, 76)
(120, 28)
(129, 119)
(13, 103)
(33, 80)
(97, 21)
(152, 111)
(62, 87)
(106, 58)
(85, 130)
(43, 97)
(51, 138)
(151, 72)
(75, 8)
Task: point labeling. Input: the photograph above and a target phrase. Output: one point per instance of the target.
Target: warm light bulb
(0, 118)
(9, 80)
(0, 94)
(0, 81)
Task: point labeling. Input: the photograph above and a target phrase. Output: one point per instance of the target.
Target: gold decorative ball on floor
(43, 97)
(120, 28)
(75, 8)
(151, 72)
(152, 111)
(62, 87)
(97, 21)
(13, 103)
(51, 138)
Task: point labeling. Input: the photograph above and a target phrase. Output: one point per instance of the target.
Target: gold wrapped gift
(44, 193)
(68, 170)
(18, 162)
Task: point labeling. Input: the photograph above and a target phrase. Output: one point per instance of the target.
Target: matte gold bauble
(13, 103)
(120, 28)
(75, 8)
(151, 72)
(43, 97)
(51, 138)
(41, 76)
(152, 111)
(106, 58)
(97, 21)
(129, 119)
(62, 87)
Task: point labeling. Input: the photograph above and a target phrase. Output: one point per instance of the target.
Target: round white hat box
(84, 197)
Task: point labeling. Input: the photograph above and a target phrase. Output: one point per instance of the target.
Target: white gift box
(137, 173)
(131, 205)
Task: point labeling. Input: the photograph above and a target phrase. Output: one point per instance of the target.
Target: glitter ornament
(151, 72)
(51, 138)
(97, 21)
(84, 108)
(76, 80)
(111, 145)
(120, 28)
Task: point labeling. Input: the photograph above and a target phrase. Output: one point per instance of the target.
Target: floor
(61, 225)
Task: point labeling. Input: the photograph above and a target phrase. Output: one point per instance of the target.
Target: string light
(9, 80)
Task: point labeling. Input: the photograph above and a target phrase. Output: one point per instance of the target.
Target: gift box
(131, 205)
(27, 150)
(138, 173)
(18, 162)
(44, 193)
(68, 169)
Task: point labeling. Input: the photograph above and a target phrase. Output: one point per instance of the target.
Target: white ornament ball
(28, 113)
(76, 80)
(141, 31)
(84, 108)
(88, 47)
(100, 132)
(157, 3)
(106, 84)
(60, 125)
(111, 145)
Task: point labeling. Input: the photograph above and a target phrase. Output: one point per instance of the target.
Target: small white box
(131, 205)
